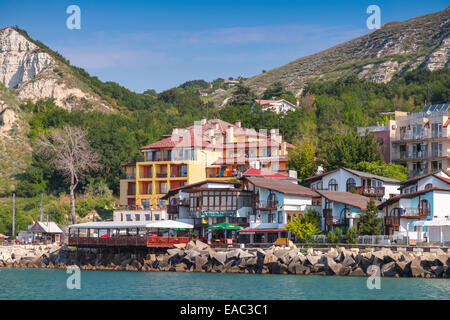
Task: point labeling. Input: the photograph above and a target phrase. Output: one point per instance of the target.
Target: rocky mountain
(395, 48)
(33, 72)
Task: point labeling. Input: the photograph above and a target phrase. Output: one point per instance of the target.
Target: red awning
(446, 123)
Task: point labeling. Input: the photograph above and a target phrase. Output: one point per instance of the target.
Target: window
(351, 184)
(167, 155)
(332, 185)
(149, 156)
(275, 167)
(163, 187)
(429, 186)
(147, 217)
(157, 156)
(128, 217)
(156, 216)
(138, 217)
(436, 165)
(146, 203)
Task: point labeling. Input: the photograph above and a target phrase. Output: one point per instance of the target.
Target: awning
(446, 123)
(170, 224)
(431, 223)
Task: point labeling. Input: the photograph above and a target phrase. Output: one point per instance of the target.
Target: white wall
(341, 177)
(436, 182)
(441, 204)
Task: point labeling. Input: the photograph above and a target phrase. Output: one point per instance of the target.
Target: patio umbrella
(224, 226)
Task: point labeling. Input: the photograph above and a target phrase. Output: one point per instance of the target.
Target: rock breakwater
(199, 257)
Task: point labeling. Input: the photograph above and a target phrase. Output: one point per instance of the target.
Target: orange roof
(265, 174)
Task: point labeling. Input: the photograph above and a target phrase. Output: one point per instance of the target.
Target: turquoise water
(51, 284)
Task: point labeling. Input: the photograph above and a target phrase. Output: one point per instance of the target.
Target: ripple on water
(51, 284)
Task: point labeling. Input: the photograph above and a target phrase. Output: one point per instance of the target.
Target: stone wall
(199, 257)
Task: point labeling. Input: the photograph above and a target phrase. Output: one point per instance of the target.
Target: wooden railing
(371, 191)
(265, 204)
(392, 221)
(131, 241)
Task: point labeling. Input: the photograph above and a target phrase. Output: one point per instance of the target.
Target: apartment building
(209, 150)
(419, 141)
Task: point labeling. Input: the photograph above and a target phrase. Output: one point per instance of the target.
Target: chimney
(203, 121)
(238, 123)
(217, 125)
(298, 103)
(213, 140)
(175, 131)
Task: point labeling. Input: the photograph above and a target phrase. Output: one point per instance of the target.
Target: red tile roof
(265, 174)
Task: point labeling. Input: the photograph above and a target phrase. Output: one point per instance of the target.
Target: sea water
(52, 284)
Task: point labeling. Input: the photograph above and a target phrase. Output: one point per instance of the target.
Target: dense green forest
(327, 109)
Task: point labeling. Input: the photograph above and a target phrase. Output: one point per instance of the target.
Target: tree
(350, 149)
(242, 95)
(383, 169)
(305, 226)
(68, 150)
(369, 221)
(301, 159)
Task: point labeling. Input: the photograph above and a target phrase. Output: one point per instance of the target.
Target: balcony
(161, 175)
(327, 213)
(265, 205)
(173, 209)
(371, 191)
(127, 177)
(415, 213)
(392, 221)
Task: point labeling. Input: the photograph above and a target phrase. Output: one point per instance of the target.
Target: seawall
(199, 257)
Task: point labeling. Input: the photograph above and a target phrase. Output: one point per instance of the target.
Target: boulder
(280, 253)
(270, 258)
(220, 258)
(390, 269)
(173, 253)
(201, 245)
(416, 268)
(245, 254)
(437, 270)
(332, 253)
(190, 245)
(404, 267)
(233, 254)
(313, 260)
(336, 268)
(358, 272)
(180, 245)
(192, 254)
(297, 268)
(348, 261)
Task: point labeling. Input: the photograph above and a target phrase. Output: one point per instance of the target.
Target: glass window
(429, 186)
(163, 187)
(128, 217)
(156, 216)
(351, 184)
(157, 155)
(138, 217)
(149, 156)
(147, 217)
(332, 185)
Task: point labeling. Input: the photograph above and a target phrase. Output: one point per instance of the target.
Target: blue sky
(161, 44)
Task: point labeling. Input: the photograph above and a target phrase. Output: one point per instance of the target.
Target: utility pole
(42, 207)
(14, 216)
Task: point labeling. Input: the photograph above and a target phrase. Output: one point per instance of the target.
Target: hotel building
(209, 150)
(419, 141)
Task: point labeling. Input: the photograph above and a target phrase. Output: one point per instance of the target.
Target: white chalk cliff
(34, 74)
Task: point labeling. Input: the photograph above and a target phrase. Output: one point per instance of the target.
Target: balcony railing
(127, 177)
(371, 191)
(265, 204)
(419, 172)
(413, 155)
(392, 221)
(415, 212)
(327, 213)
(161, 175)
(173, 209)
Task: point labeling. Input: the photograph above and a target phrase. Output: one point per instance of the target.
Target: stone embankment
(199, 257)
